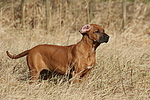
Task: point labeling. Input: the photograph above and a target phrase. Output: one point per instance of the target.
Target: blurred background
(51, 14)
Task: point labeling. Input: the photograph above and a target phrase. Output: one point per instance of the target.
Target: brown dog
(77, 59)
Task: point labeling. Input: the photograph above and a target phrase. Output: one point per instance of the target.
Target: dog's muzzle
(104, 38)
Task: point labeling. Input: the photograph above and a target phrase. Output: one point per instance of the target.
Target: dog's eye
(97, 31)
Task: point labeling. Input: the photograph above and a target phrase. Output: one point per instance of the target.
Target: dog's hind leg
(34, 76)
(36, 65)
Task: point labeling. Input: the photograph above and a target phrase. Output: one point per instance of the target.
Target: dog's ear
(85, 29)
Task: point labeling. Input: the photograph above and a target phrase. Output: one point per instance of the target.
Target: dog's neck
(89, 43)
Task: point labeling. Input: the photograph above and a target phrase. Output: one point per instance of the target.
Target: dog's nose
(103, 38)
(106, 38)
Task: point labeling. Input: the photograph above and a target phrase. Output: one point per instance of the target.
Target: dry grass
(123, 64)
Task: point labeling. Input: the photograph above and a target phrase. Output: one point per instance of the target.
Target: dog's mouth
(103, 39)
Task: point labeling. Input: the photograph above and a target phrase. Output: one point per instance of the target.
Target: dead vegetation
(123, 65)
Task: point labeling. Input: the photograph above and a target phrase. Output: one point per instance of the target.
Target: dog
(77, 60)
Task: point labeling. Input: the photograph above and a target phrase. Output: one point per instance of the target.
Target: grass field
(122, 71)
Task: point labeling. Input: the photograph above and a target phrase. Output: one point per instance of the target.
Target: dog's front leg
(85, 73)
(82, 75)
(75, 77)
(85, 76)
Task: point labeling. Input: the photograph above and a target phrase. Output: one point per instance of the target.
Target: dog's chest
(86, 60)
(90, 60)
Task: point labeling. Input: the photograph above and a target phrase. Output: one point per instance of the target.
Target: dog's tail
(19, 55)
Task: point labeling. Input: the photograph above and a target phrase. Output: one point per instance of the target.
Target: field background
(123, 64)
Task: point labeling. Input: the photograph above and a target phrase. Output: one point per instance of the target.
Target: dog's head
(95, 32)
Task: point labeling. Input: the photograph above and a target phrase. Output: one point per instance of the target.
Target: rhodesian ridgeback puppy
(76, 60)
